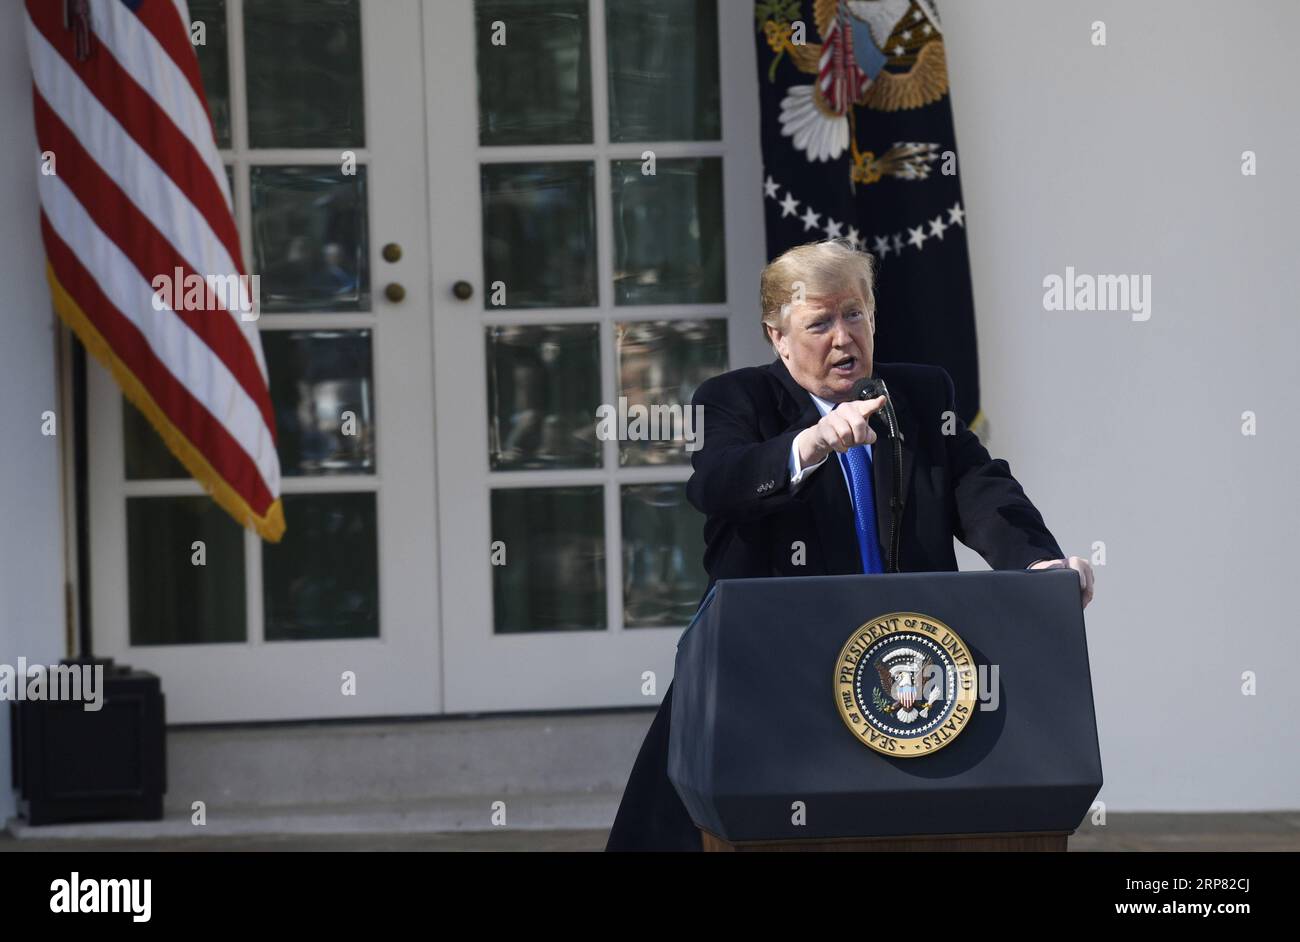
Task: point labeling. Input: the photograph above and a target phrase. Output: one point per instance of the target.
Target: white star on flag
(955, 215)
(788, 206)
(810, 219)
(917, 236)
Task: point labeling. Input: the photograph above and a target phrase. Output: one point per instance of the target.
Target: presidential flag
(143, 257)
(858, 144)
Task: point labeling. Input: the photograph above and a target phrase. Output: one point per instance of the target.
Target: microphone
(870, 387)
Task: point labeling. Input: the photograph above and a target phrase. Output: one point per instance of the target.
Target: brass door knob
(394, 292)
(463, 290)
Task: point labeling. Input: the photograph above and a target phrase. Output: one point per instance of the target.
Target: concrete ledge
(389, 762)
(534, 812)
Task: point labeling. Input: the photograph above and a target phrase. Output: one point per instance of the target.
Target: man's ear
(778, 340)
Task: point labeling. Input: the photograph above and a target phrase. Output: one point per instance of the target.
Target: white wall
(31, 554)
(1126, 159)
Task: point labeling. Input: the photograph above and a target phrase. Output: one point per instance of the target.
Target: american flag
(135, 207)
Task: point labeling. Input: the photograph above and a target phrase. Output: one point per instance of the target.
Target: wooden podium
(765, 759)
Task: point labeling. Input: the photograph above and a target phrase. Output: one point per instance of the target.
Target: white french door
(596, 233)
(568, 195)
(319, 110)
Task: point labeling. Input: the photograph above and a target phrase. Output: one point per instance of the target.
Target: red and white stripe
(839, 78)
(139, 190)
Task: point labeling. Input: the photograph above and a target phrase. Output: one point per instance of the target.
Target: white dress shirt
(797, 473)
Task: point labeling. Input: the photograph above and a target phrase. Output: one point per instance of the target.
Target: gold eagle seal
(905, 684)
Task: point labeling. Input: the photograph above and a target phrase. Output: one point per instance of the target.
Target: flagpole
(81, 497)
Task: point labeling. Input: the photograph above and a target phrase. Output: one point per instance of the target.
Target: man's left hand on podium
(1079, 565)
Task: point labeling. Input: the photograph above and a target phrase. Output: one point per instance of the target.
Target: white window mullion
(608, 315)
(239, 127)
(253, 608)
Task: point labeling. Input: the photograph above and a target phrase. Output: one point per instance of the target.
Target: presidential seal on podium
(905, 684)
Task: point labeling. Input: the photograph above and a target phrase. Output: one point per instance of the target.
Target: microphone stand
(895, 495)
(877, 387)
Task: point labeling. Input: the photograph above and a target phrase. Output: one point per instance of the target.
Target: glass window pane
(303, 62)
(310, 238)
(147, 458)
(173, 600)
(659, 365)
(534, 72)
(317, 378)
(663, 70)
(543, 392)
(668, 232)
(553, 573)
(539, 235)
(214, 62)
(321, 581)
(663, 556)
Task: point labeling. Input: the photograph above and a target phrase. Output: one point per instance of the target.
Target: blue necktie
(858, 463)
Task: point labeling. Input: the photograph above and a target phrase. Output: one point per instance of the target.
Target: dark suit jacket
(951, 487)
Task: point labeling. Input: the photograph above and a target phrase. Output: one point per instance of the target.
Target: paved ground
(1125, 832)
(464, 841)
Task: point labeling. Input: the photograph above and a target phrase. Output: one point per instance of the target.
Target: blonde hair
(821, 268)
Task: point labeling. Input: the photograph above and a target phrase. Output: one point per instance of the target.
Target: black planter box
(72, 764)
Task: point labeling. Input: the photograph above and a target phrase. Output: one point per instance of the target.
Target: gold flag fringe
(269, 526)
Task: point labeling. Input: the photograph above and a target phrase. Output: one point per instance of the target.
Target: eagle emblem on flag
(885, 55)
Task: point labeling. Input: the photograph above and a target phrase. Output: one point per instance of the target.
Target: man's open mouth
(845, 365)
